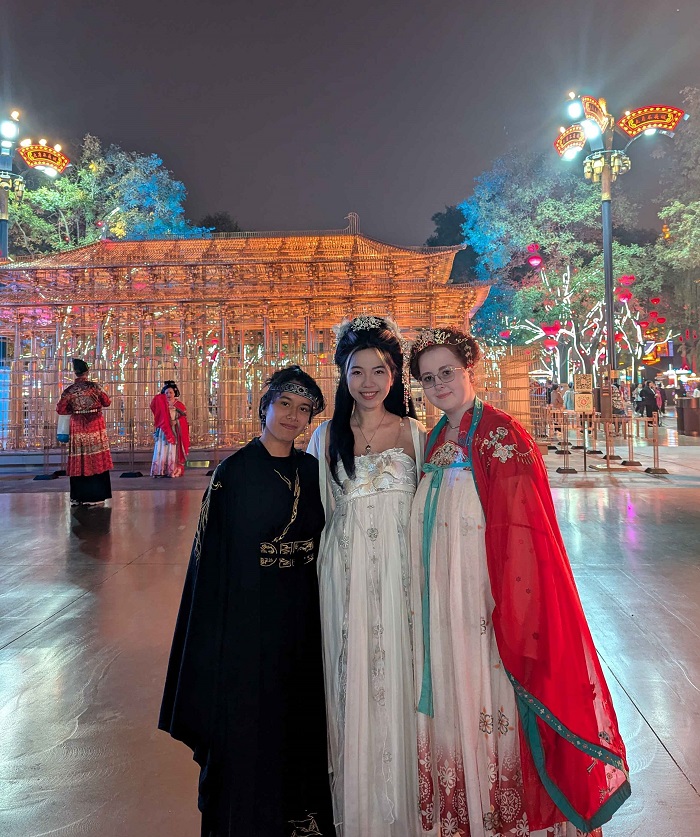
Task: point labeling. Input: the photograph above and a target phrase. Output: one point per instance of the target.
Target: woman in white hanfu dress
(371, 450)
(517, 732)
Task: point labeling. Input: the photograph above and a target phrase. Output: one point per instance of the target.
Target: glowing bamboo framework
(216, 315)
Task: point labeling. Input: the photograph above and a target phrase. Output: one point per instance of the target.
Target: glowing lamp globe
(574, 109)
(661, 320)
(8, 129)
(644, 324)
(624, 295)
(627, 280)
(505, 334)
(534, 261)
(549, 343)
(653, 314)
(655, 300)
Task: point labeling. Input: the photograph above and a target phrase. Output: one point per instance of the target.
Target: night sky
(290, 114)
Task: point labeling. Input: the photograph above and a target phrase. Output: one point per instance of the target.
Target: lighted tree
(114, 192)
(569, 322)
(528, 198)
(678, 253)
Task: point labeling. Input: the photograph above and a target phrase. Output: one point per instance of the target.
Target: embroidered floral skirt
(365, 613)
(88, 446)
(166, 456)
(470, 781)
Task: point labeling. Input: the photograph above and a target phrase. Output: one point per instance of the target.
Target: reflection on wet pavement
(88, 598)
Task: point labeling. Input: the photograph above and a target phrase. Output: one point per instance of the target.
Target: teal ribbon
(425, 703)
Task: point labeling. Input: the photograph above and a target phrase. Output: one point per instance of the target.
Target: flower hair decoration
(439, 337)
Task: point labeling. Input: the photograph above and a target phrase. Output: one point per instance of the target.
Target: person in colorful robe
(517, 731)
(370, 453)
(172, 434)
(244, 687)
(89, 457)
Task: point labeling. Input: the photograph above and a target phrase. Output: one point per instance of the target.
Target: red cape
(573, 757)
(161, 416)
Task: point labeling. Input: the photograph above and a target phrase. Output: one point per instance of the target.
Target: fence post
(630, 443)
(46, 450)
(131, 473)
(609, 430)
(594, 418)
(656, 469)
(564, 451)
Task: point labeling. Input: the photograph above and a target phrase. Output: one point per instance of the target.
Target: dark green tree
(220, 222)
(112, 193)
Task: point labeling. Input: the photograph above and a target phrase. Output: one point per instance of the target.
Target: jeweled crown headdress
(440, 337)
(367, 322)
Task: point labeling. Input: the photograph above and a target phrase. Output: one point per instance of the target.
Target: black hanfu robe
(244, 688)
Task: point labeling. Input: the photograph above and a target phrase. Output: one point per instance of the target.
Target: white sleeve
(317, 448)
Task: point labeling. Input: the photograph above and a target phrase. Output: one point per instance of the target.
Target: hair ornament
(298, 389)
(438, 337)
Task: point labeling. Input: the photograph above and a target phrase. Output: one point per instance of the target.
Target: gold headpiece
(439, 337)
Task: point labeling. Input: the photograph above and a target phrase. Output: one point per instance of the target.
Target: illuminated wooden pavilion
(216, 315)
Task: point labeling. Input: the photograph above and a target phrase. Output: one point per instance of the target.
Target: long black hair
(388, 346)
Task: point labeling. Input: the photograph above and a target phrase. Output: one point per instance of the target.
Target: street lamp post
(593, 125)
(36, 156)
(9, 130)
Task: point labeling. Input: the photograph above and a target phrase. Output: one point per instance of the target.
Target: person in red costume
(172, 433)
(517, 731)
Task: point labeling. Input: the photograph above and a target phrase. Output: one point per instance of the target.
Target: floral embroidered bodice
(390, 470)
(448, 453)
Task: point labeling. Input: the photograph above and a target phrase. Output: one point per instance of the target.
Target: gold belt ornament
(287, 553)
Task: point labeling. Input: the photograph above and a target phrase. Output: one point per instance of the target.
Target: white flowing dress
(469, 752)
(364, 581)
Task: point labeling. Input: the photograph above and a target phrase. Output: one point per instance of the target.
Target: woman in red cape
(517, 731)
(172, 433)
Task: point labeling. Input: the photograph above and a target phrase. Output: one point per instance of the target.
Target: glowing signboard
(571, 140)
(43, 157)
(659, 117)
(593, 109)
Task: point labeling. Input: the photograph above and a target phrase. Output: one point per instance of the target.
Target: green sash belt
(435, 474)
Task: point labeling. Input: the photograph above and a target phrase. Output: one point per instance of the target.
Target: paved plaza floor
(88, 598)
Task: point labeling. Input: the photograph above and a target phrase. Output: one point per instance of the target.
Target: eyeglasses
(444, 376)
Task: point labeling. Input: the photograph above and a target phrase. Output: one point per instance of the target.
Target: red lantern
(655, 300)
(533, 248)
(680, 339)
(661, 320)
(535, 260)
(619, 335)
(653, 314)
(627, 280)
(624, 295)
(695, 335)
(505, 334)
(549, 343)
(643, 323)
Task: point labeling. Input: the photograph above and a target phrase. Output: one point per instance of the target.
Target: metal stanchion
(609, 430)
(630, 443)
(564, 451)
(579, 432)
(594, 433)
(656, 469)
(132, 473)
(217, 435)
(46, 446)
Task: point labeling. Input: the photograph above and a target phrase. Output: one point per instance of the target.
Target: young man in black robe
(244, 688)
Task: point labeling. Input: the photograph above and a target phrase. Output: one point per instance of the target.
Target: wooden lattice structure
(217, 315)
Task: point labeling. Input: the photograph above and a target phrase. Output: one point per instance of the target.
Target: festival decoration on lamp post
(595, 126)
(38, 156)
